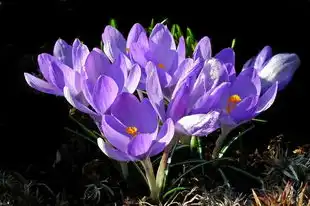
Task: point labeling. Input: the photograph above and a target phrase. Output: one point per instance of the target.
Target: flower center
(161, 66)
(133, 131)
(232, 102)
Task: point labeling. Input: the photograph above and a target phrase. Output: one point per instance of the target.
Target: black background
(32, 123)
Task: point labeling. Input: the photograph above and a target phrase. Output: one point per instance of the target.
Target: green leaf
(164, 21)
(113, 23)
(179, 31)
(151, 25)
(173, 191)
(260, 120)
(173, 30)
(233, 43)
(189, 33)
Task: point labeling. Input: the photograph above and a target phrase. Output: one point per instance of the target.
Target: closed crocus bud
(281, 68)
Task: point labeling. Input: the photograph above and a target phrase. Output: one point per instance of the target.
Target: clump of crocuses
(186, 95)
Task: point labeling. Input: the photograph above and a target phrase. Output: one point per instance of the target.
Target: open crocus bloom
(243, 99)
(160, 48)
(280, 67)
(102, 81)
(62, 69)
(132, 130)
(192, 105)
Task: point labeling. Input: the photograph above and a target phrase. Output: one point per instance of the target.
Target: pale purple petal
(133, 113)
(182, 68)
(267, 99)
(115, 132)
(227, 56)
(281, 68)
(133, 79)
(76, 103)
(79, 54)
(63, 52)
(44, 62)
(161, 35)
(95, 65)
(199, 124)
(154, 90)
(115, 41)
(178, 106)
(264, 55)
(181, 50)
(138, 52)
(104, 94)
(134, 34)
(56, 73)
(73, 81)
(203, 49)
(113, 153)
(164, 137)
(41, 85)
(140, 145)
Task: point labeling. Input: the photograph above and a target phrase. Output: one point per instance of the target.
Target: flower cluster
(185, 95)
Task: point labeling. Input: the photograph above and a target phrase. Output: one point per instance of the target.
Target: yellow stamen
(161, 66)
(232, 102)
(133, 131)
(127, 50)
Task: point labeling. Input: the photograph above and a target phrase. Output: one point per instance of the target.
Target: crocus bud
(281, 68)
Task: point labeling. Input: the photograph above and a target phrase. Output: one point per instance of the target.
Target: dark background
(32, 124)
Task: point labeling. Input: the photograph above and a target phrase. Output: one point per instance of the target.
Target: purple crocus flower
(280, 67)
(132, 130)
(102, 81)
(62, 69)
(243, 99)
(160, 48)
(192, 104)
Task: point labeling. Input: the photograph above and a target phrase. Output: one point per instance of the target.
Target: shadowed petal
(264, 55)
(115, 132)
(182, 68)
(227, 56)
(181, 50)
(267, 99)
(154, 90)
(79, 55)
(203, 49)
(140, 145)
(164, 137)
(76, 103)
(245, 110)
(199, 124)
(133, 79)
(63, 52)
(113, 153)
(41, 85)
(104, 94)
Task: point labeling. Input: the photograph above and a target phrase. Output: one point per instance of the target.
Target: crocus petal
(76, 103)
(245, 110)
(181, 50)
(161, 35)
(281, 68)
(73, 81)
(267, 99)
(116, 40)
(178, 106)
(63, 52)
(133, 79)
(44, 62)
(134, 34)
(140, 145)
(227, 56)
(164, 137)
(133, 113)
(41, 85)
(138, 52)
(210, 99)
(154, 90)
(199, 124)
(203, 49)
(119, 70)
(249, 63)
(104, 94)
(56, 73)
(113, 153)
(79, 55)
(264, 55)
(185, 65)
(95, 64)
(115, 132)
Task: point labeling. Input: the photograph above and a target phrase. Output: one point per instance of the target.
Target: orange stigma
(232, 102)
(161, 66)
(133, 131)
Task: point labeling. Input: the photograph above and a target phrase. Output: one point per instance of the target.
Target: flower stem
(149, 172)
(220, 141)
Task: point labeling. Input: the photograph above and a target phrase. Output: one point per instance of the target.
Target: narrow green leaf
(113, 23)
(233, 43)
(173, 30)
(260, 120)
(173, 191)
(189, 33)
(193, 143)
(151, 25)
(179, 31)
(164, 21)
